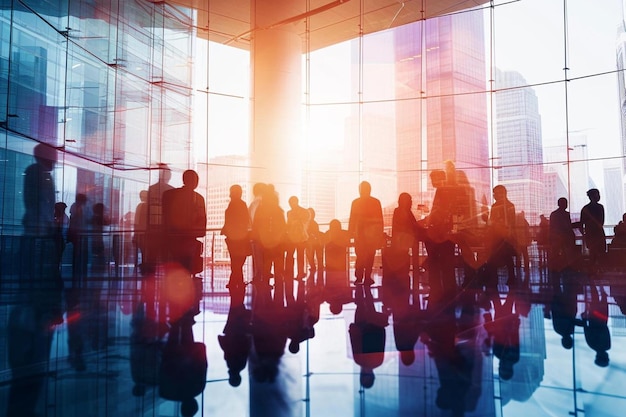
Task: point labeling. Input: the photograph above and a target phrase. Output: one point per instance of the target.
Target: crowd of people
(471, 252)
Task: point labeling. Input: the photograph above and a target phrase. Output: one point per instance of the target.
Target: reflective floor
(112, 355)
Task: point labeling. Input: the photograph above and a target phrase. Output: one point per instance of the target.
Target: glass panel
(544, 44)
(326, 83)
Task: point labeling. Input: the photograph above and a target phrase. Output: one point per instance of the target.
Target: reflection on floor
(540, 350)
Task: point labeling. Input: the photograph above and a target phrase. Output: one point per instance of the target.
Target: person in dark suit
(236, 227)
(366, 227)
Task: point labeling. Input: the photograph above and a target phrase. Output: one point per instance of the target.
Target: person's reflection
(182, 374)
(235, 339)
(337, 290)
(304, 313)
(396, 279)
(594, 321)
(37, 308)
(269, 334)
(367, 335)
(504, 331)
(452, 343)
(563, 310)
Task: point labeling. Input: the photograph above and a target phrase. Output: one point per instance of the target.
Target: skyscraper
(519, 152)
(441, 107)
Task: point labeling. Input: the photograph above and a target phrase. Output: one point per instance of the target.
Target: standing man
(366, 228)
(236, 229)
(592, 227)
(154, 244)
(502, 220)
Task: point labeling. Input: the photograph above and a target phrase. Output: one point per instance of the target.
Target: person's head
(165, 173)
(336, 307)
(505, 369)
(234, 378)
(293, 201)
(294, 346)
(438, 177)
(311, 212)
(258, 189)
(190, 179)
(499, 193)
(81, 198)
(98, 209)
(567, 342)
(365, 189)
(46, 156)
(594, 195)
(235, 192)
(59, 208)
(562, 202)
(334, 225)
(407, 357)
(367, 377)
(405, 200)
(143, 196)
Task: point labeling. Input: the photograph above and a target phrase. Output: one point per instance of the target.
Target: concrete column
(276, 61)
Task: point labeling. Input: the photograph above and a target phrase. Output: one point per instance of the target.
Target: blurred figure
(315, 248)
(592, 227)
(501, 239)
(337, 286)
(235, 339)
(141, 225)
(366, 228)
(563, 255)
(504, 330)
(269, 229)
(297, 237)
(37, 305)
(594, 322)
(523, 240)
(154, 249)
(367, 335)
(619, 232)
(99, 220)
(258, 189)
(78, 236)
(61, 227)
(438, 227)
(236, 229)
(563, 309)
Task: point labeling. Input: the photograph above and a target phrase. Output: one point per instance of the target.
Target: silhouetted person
(155, 246)
(78, 236)
(619, 232)
(592, 227)
(140, 224)
(236, 229)
(61, 226)
(258, 189)
(269, 229)
(366, 228)
(501, 237)
(76, 293)
(367, 335)
(438, 231)
(523, 240)
(37, 303)
(594, 321)
(304, 314)
(184, 221)
(315, 247)
(337, 287)
(297, 237)
(563, 255)
(99, 220)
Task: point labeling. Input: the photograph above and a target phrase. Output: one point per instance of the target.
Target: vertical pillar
(276, 61)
